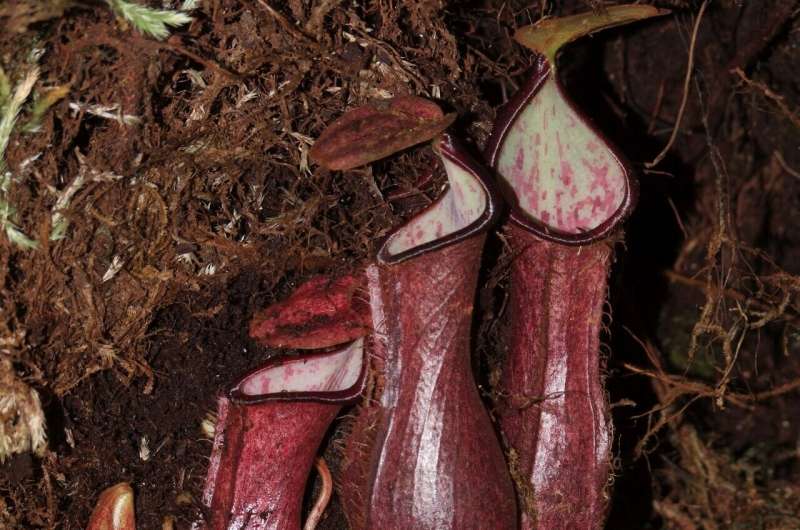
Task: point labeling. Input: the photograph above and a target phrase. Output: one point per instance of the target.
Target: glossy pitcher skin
(555, 413)
(421, 451)
(569, 191)
(269, 428)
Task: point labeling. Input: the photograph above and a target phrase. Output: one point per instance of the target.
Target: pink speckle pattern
(462, 204)
(561, 171)
(330, 372)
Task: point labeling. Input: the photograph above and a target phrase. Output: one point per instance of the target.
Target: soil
(202, 208)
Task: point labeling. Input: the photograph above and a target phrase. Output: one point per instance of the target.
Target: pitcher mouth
(334, 376)
(469, 206)
(577, 201)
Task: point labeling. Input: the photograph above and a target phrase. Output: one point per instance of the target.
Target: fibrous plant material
(20, 15)
(421, 451)
(22, 422)
(270, 424)
(152, 22)
(10, 105)
(569, 191)
(114, 509)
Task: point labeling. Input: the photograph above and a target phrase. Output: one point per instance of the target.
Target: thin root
(324, 495)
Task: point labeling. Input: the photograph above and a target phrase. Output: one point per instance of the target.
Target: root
(324, 496)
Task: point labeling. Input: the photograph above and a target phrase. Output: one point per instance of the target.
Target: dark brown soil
(212, 210)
